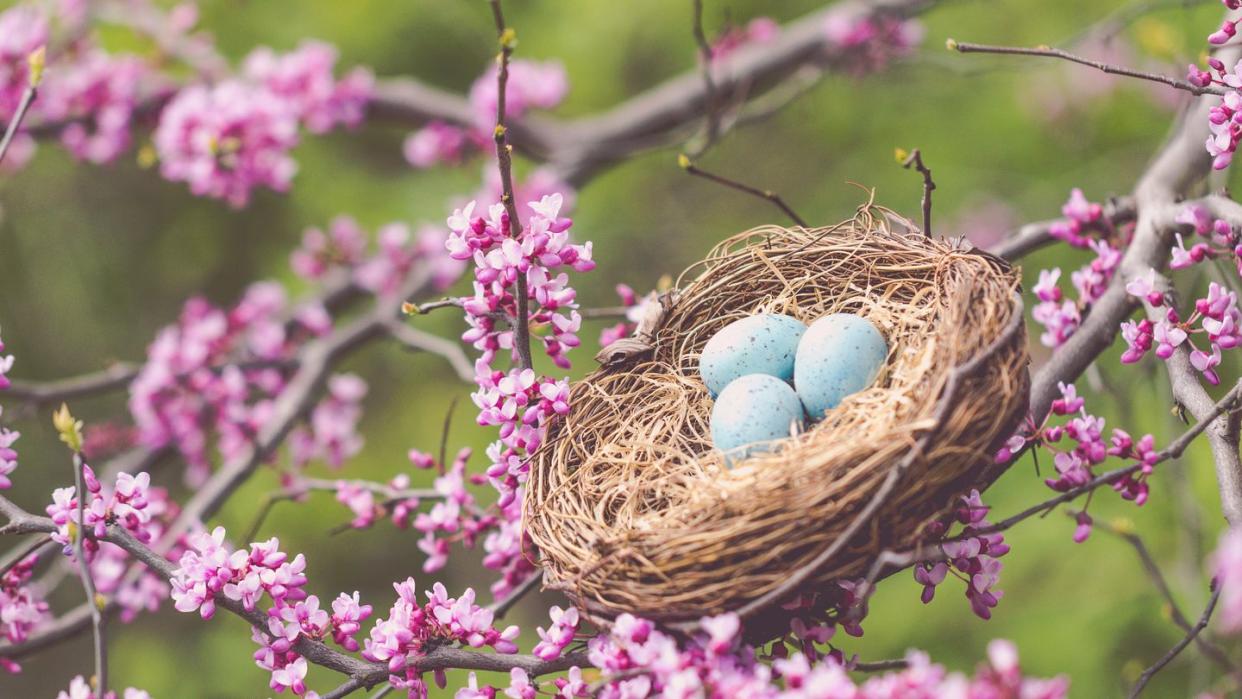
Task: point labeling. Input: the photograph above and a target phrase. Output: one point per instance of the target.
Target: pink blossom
(1167, 336)
(100, 91)
(559, 634)
(226, 140)
(1227, 566)
(343, 245)
(79, 688)
(21, 608)
(531, 85)
(8, 455)
(1144, 287)
(23, 28)
(759, 30)
(436, 143)
(869, 41)
(303, 80)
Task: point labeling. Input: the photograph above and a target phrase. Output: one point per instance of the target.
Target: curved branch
(367, 674)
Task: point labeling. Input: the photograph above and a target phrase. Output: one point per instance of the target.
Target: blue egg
(753, 411)
(761, 344)
(839, 354)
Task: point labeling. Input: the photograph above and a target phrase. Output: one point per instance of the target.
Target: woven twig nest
(633, 511)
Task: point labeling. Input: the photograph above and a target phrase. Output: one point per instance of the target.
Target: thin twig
(915, 160)
(710, 107)
(1114, 23)
(367, 673)
(504, 158)
(502, 606)
(21, 553)
(1173, 652)
(767, 194)
(1209, 649)
(350, 686)
(35, 74)
(889, 562)
(881, 665)
(88, 582)
(424, 308)
(419, 341)
(1049, 52)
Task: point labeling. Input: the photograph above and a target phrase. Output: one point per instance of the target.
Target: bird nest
(631, 508)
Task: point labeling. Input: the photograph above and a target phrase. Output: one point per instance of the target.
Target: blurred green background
(93, 261)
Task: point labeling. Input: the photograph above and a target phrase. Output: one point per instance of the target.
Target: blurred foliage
(94, 261)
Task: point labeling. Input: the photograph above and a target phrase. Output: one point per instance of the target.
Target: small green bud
(69, 429)
(36, 61)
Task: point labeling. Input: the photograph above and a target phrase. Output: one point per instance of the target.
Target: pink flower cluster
(638, 660)
(79, 688)
(1082, 219)
(344, 246)
(208, 571)
(1224, 119)
(97, 95)
(23, 28)
(976, 557)
(1227, 567)
(518, 401)
(111, 563)
(869, 42)
(1086, 448)
(21, 610)
(411, 630)
(332, 431)
(360, 499)
(8, 455)
(759, 30)
(1059, 315)
(6, 365)
(131, 504)
(303, 79)
(531, 85)
(454, 517)
(225, 140)
(216, 371)
(127, 505)
(633, 313)
(559, 634)
(815, 618)
(1216, 315)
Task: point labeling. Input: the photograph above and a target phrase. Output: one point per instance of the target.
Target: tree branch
(34, 76)
(88, 581)
(1168, 657)
(767, 194)
(1049, 52)
(504, 159)
(915, 160)
(367, 673)
(1034, 236)
(1180, 164)
(1209, 649)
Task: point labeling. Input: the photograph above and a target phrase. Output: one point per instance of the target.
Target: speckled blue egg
(839, 354)
(761, 344)
(752, 411)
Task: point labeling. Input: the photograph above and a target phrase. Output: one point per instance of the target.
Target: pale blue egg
(839, 354)
(752, 411)
(760, 344)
